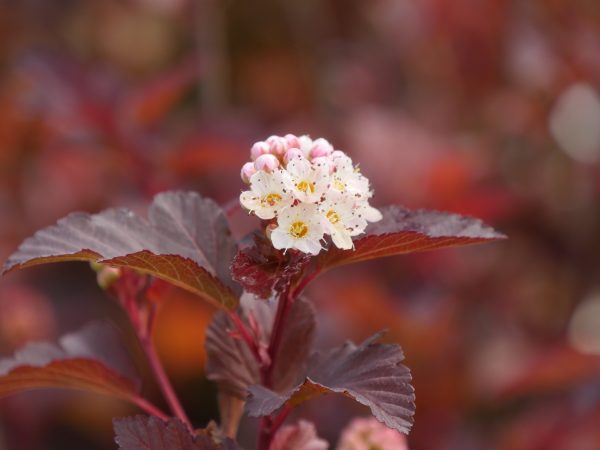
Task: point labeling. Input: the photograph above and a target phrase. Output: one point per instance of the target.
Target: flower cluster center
(310, 193)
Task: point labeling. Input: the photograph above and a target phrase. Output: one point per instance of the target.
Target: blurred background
(489, 108)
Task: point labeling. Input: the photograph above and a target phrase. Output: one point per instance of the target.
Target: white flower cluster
(308, 190)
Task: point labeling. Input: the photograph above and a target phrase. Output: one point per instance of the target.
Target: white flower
(348, 179)
(267, 195)
(307, 182)
(367, 212)
(342, 220)
(299, 227)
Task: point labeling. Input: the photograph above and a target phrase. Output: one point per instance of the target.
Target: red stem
(149, 408)
(163, 380)
(264, 433)
(285, 301)
(304, 282)
(280, 418)
(268, 425)
(246, 336)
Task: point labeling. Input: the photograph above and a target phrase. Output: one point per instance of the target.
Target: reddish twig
(163, 380)
(280, 418)
(245, 334)
(305, 282)
(285, 301)
(131, 298)
(267, 427)
(145, 405)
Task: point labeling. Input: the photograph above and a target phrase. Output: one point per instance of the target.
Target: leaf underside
(408, 231)
(185, 241)
(151, 433)
(371, 374)
(90, 359)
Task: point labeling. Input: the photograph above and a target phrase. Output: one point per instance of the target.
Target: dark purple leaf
(262, 270)
(404, 231)
(151, 433)
(296, 344)
(230, 363)
(186, 241)
(90, 359)
(371, 374)
(254, 272)
(234, 368)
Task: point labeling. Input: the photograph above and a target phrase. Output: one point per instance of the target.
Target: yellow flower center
(271, 199)
(305, 186)
(298, 230)
(337, 184)
(333, 217)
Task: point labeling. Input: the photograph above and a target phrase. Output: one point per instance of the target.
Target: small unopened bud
(323, 163)
(321, 148)
(291, 154)
(270, 229)
(247, 171)
(306, 144)
(105, 275)
(277, 145)
(268, 163)
(292, 141)
(338, 154)
(259, 148)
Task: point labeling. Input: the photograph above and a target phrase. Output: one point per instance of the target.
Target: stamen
(333, 217)
(298, 230)
(304, 186)
(271, 199)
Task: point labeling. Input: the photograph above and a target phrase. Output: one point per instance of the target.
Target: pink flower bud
(338, 154)
(268, 163)
(259, 148)
(323, 163)
(248, 170)
(277, 145)
(321, 148)
(292, 141)
(292, 153)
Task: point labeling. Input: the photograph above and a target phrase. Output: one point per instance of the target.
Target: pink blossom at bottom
(368, 434)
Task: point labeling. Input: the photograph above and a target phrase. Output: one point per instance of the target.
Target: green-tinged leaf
(151, 433)
(404, 231)
(371, 374)
(186, 241)
(90, 359)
